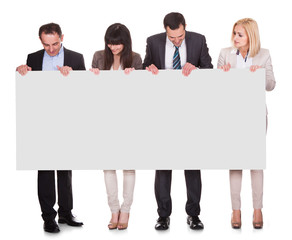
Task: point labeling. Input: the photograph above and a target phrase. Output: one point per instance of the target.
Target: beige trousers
(111, 184)
(257, 186)
(257, 182)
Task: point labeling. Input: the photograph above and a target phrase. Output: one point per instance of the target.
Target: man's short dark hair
(173, 20)
(50, 28)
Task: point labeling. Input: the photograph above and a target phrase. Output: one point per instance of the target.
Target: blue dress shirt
(50, 63)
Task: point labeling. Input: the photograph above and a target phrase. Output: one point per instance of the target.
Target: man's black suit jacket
(72, 59)
(197, 50)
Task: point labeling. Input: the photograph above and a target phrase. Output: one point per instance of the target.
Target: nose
(51, 49)
(176, 41)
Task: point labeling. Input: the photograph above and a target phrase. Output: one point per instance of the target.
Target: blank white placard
(208, 120)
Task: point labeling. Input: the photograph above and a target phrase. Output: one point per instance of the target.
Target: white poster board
(208, 120)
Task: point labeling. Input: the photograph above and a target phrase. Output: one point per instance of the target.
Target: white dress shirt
(243, 62)
(169, 52)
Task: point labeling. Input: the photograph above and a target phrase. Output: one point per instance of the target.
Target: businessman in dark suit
(177, 49)
(54, 57)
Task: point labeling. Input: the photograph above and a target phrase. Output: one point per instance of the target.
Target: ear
(62, 37)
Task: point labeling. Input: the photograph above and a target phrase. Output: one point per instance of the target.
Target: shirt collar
(168, 42)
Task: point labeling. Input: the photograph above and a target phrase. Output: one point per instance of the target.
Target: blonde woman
(246, 52)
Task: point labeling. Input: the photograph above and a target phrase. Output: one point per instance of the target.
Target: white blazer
(263, 59)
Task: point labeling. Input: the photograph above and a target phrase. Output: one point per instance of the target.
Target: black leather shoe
(162, 223)
(51, 226)
(195, 223)
(70, 220)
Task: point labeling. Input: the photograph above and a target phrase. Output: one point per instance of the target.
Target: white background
(84, 24)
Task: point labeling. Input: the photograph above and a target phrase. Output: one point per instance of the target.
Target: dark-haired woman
(118, 55)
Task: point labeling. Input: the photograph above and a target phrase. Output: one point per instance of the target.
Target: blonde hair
(252, 30)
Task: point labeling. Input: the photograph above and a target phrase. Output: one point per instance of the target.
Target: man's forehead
(50, 35)
(175, 33)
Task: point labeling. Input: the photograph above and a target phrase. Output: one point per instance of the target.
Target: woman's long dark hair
(118, 34)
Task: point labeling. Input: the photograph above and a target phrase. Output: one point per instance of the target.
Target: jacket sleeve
(148, 57)
(270, 79)
(222, 59)
(137, 62)
(97, 60)
(205, 58)
(28, 61)
(81, 63)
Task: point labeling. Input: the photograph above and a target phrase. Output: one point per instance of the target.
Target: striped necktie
(176, 59)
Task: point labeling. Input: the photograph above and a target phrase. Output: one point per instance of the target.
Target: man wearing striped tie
(177, 49)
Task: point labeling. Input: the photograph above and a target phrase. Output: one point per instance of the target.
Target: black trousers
(47, 193)
(163, 187)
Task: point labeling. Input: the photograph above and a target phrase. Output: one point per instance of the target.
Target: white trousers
(257, 184)
(111, 183)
